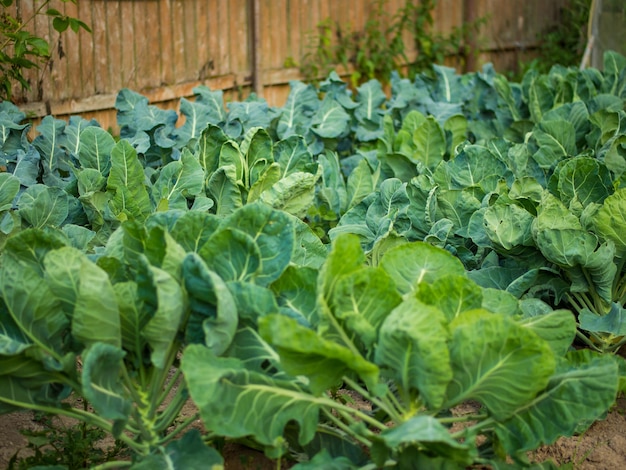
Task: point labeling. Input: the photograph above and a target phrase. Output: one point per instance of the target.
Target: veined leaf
(361, 182)
(331, 120)
(178, 180)
(233, 254)
(428, 432)
(430, 143)
(231, 156)
(42, 206)
(27, 166)
(225, 190)
(413, 263)
(370, 97)
(451, 294)
(30, 302)
(557, 327)
(95, 149)
(25, 381)
(413, 345)
(258, 149)
(581, 181)
(165, 300)
(133, 317)
(556, 140)
(226, 393)
(208, 148)
(194, 229)
(126, 181)
(496, 362)
(87, 295)
(102, 381)
(9, 187)
(293, 156)
(273, 233)
(610, 221)
(362, 300)
(264, 181)
(295, 292)
(455, 128)
(309, 249)
(197, 116)
(254, 352)
(293, 194)
(214, 316)
(345, 257)
(49, 144)
(508, 226)
(613, 322)
(252, 301)
(296, 115)
(564, 405)
(213, 99)
(13, 340)
(303, 352)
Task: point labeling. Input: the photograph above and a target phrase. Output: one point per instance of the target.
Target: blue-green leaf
(102, 381)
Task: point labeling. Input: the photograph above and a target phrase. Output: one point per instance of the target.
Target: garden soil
(601, 447)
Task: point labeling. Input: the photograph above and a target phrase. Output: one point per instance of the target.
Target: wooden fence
(164, 48)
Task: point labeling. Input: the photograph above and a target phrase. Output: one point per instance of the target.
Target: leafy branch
(21, 50)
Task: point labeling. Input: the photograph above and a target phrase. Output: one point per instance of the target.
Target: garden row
(461, 241)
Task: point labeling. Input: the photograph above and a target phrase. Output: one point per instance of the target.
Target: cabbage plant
(413, 337)
(98, 337)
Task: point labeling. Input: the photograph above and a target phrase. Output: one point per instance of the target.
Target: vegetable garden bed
(461, 241)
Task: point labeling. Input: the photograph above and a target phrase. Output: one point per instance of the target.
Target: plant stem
(171, 411)
(346, 340)
(463, 419)
(345, 428)
(112, 464)
(393, 400)
(618, 283)
(587, 341)
(170, 385)
(182, 426)
(357, 414)
(158, 383)
(383, 405)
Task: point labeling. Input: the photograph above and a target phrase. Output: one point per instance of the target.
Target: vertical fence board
(99, 52)
(239, 37)
(202, 38)
(165, 45)
(85, 51)
(177, 39)
(223, 56)
(69, 73)
(213, 33)
(113, 35)
(188, 30)
(127, 58)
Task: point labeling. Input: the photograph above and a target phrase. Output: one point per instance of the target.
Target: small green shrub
(381, 47)
(73, 446)
(21, 50)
